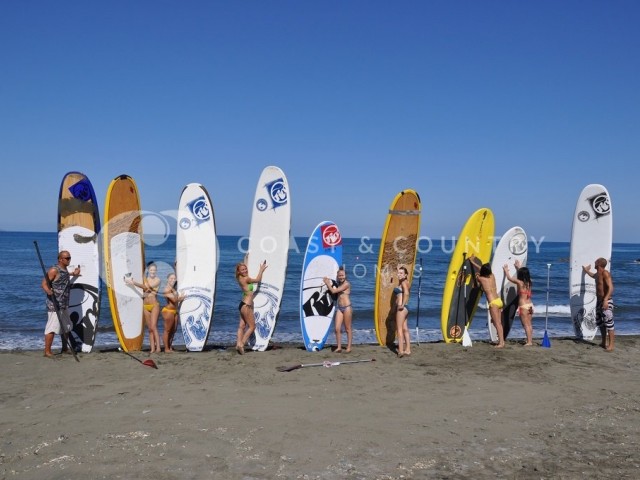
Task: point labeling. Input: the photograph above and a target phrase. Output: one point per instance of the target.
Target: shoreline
(569, 411)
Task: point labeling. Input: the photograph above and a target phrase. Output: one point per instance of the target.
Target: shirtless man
(488, 284)
(604, 305)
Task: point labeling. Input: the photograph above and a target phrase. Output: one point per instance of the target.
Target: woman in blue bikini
(342, 289)
(402, 299)
(247, 321)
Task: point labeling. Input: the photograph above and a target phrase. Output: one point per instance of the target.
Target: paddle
(64, 335)
(462, 285)
(546, 343)
(466, 338)
(326, 363)
(418, 309)
(148, 362)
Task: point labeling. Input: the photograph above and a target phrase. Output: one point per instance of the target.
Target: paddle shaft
(418, 307)
(546, 315)
(63, 335)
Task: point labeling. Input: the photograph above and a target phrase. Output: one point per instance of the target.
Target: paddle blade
(288, 369)
(546, 343)
(466, 339)
(150, 363)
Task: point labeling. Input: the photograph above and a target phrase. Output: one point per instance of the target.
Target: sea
(23, 311)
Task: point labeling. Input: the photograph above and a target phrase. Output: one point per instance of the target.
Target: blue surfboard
(322, 258)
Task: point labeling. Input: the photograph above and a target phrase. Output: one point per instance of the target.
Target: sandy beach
(570, 411)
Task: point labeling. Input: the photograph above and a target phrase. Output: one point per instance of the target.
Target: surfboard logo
(199, 208)
(331, 236)
(81, 190)
(277, 192)
(518, 244)
(600, 204)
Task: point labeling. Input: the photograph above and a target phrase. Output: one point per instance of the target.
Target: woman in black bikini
(342, 290)
(402, 299)
(247, 321)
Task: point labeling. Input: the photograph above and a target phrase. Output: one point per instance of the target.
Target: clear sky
(510, 105)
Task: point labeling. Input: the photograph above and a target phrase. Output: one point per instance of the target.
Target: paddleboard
(591, 238)
(398, 247)
(269, 240)
(78, 229)
(124, 257)
(512, 246)
(461, 293)
(322, 258)
(196, 265)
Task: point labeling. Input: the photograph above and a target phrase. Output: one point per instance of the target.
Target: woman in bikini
(525, 307)
(402, 312)
(342, 290)
(487, 282)
(150, 286)
(247, 321)
(170, 312)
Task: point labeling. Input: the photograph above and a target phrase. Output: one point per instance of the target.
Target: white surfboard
(512, 246)
(269, 240)
(591, 238)
(78, 230)
(322, 258)
(196, 265)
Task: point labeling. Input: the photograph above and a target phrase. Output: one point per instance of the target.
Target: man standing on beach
(59, 278)
(604, 304)
(487, 282)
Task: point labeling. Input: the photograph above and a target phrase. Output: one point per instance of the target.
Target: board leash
(63, 334)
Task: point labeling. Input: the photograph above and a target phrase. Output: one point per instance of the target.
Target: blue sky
(515, 106)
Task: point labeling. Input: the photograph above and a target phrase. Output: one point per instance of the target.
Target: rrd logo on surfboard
(200, 210)
(331, 236)
(277, 192)
(600, 206)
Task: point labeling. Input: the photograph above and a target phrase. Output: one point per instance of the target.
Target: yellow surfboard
(124, 257)
(398, 247)
(461, 293)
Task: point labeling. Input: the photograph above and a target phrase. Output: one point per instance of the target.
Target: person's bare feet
(500, 345)
(348, 350)
(338, 350)
(48, 354)
(240, 349)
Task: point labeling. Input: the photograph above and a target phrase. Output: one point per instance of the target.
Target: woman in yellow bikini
(487, 282)
(247, 321)
(170, 312)
(150, 286)
(525, 307)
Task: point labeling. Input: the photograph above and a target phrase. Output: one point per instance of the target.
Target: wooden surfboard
(461, 293)
(512, 246)
(398, 247)
(269, 240)
(591, 238)
(78, 229)
(124, 257)
(322, 258)
(196, 265)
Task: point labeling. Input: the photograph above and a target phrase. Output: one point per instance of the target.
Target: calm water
(22, 311)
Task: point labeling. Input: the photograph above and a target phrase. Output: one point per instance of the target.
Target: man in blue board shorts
(60, 279)
(604, 304)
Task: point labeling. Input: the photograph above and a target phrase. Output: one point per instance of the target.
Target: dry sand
(570, 411)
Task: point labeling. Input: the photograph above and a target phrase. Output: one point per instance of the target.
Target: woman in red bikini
(525, 307)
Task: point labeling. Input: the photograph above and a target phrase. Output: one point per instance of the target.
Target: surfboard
(461, 293)
(591, 238)
(322, 258)
(269, 240)
(124, 257)
(398, 247)
(78, 229)
(196, 265)
(512, 246)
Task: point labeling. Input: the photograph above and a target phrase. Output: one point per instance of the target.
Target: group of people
(57, 284)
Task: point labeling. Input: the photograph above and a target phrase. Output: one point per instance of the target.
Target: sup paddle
(418, 309)
(546, 343)
(64, 334)
(148, 362)
(326, 363)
